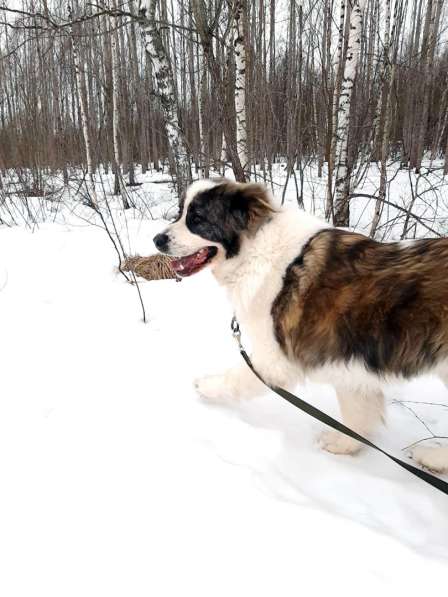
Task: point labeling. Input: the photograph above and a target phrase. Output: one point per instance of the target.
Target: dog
(317, 302)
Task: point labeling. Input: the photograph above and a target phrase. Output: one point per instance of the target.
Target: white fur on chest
(254, 278)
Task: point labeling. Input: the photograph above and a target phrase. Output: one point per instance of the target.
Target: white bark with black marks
(165, 91)
(239, 43)
(335, 103)
(341, 215)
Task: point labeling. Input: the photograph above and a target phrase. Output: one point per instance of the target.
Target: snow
(117, 479)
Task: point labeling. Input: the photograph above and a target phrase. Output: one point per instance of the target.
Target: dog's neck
(257, 271)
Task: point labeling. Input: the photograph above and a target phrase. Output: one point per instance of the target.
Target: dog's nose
(161, 240)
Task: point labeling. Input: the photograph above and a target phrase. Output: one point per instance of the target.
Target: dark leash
(314, 412)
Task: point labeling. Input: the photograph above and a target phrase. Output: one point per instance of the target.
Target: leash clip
(236, 332)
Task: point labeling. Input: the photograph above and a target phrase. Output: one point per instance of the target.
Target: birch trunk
(270, 82)
(220, 79)
(165, 91)
(342, 200)
(239, 41)
(115, 113)
(334, 111)
(82, 96)
(141, 110)
(119, 186)
(291, 93)
(203, 132)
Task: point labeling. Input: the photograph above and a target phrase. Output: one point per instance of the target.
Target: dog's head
(216, 217)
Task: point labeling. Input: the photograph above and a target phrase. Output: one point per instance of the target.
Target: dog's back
(348, 297)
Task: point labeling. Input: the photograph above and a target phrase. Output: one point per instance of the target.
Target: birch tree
(341, 215)
(55, 118)
(239, 42)
(82, 97)
(165, 91)
(119, 186)
(219, 74)
(334, 106)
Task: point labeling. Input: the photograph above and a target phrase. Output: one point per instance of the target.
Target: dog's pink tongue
(185, 266)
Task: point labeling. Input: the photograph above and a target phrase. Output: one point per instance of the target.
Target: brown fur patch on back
(348, 297)
(153, 267)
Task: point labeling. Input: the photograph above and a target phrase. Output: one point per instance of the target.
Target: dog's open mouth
(191, 264)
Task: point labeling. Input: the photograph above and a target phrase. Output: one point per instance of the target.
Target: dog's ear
(250, 205)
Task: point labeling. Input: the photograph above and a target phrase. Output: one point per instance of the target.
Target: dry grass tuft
(153, 267)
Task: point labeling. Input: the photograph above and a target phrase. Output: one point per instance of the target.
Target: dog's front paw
(212, 387)
(338, 443)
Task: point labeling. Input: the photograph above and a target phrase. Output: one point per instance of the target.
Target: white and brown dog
(317, 302)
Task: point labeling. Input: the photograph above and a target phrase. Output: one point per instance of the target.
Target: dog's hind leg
(362, 409)
(434, 458)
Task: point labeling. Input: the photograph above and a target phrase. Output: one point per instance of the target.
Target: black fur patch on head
(222, 213)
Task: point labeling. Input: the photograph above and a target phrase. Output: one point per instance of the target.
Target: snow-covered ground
(117, 480)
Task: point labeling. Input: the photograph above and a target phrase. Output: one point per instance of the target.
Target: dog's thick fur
(320, 302)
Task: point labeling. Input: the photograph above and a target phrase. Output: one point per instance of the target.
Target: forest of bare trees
(195, 87)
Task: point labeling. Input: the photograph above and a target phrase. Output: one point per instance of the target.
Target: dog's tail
(434, 458)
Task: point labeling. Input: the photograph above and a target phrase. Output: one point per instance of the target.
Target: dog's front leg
(241, 383)
(234, 384)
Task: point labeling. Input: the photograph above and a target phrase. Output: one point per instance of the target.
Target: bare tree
(343, 167)
(220, 75)
(82, 97)
(239, 41)
(314, 92)
(165, 90)
(334, 104)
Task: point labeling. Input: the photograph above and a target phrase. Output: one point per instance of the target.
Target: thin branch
(402, 209)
